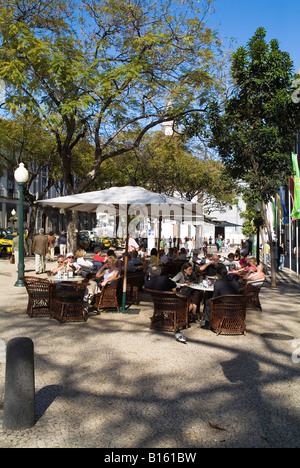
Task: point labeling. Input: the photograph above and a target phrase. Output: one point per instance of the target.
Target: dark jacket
(211, 270)
(160, 283)
(224, 286)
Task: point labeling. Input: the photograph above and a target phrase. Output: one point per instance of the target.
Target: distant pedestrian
(62, 243)
(40, 249)
(51, 245)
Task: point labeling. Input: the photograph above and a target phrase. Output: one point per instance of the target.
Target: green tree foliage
(94, 70)
(165, 164)
(99, 68)
(254, 131)
(24, 139)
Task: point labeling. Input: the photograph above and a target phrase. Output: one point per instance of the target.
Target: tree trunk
(263, 243)
(273, 271)
(73, 232)
(32, 218)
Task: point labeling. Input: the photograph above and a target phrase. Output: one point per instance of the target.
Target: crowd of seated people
(232, 273)
(231, 276)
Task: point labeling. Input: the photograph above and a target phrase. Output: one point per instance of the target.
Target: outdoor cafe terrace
(113, 381)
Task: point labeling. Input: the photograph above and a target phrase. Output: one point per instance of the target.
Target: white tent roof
(136, 200)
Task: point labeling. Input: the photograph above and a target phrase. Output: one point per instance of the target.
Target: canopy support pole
(123, 309)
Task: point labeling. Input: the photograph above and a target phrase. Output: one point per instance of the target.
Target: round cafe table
(73, 279)
(207, 293)
(201, 287)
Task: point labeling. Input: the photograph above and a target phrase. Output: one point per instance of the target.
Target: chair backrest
(35, 285)
(110, 291)
(72, 292)
(228, 314)
(136, 279)
(251, 293)
(169, 299)
(229, 303)
(170, 309)
(254, 286)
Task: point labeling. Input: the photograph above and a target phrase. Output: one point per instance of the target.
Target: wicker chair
(109, 296)
(134, 285)
(67, 302)
(170, 310)
(38, 290)
(251, 292)
(228, 314)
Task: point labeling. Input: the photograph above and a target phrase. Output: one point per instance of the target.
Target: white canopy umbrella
(130, 201)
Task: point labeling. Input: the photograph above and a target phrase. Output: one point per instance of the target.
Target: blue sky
(241, 18)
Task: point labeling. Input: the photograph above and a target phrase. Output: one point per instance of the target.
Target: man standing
(51, 245)
(40, 248)
(62, 243)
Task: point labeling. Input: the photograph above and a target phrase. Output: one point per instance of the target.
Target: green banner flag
(296, 207)
(295, 165)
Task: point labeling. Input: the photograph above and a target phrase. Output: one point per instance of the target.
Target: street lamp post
(21, 177)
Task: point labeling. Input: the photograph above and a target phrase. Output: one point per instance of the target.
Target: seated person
(257, 277)
(157, 282)
(135, 258)
(182, 254)
(237, 255)
(204, 260)
(243, 261)
(163, 256)
(59, 269)
(183, 279)
(105, 275)
(81, 264)
(230, 263)
(141, 252)
(98, 258)
(171, 255)
(210, 268)
(224, 285)
(153, 257)
(130, 264)
(69, 262)
(110, 253)
(250, 265)
(185, 276)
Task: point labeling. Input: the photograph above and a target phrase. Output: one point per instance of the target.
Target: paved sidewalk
(112, 382)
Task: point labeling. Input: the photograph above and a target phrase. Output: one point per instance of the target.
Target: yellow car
(105, 242)
(6, 244)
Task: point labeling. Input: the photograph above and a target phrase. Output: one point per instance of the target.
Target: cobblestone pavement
(112, 382)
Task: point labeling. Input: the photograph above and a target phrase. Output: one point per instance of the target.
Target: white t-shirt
(83, 263)
(257, 282)
(108, 274)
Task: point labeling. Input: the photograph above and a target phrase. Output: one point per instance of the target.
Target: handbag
(187, 290)
(12, 259)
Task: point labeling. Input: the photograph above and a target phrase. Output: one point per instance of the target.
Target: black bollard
(19, 401)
